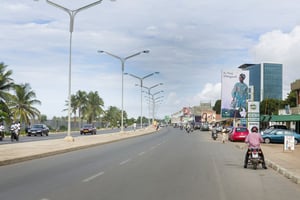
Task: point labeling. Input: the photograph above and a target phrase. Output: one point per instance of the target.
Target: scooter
(214, 135)
(189, 129)
(254, 157)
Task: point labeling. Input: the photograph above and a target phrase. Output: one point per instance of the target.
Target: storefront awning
(279, 118)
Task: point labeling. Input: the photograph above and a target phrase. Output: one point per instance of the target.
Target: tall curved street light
(141, 84)
(154, 102)
(149, 93)
(123, 60)
(72, 14)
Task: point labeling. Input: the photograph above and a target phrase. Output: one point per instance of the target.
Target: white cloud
(190, 43)
(281, 47)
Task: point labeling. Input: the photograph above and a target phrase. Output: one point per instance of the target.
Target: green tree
(6, 84)
(270, 106)
(81, 100)
(217, 106)
(113, 116)
(43, 118)
(291, 99)
(94, 106)
(22, 103)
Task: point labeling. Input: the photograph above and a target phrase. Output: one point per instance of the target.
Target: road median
(19, 152)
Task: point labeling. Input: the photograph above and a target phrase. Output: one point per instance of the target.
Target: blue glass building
(266, 79)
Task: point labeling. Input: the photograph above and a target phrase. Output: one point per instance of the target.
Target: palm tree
(94, 106)
(21, 104)
(81, 100)
(74, 106)
(6, 84)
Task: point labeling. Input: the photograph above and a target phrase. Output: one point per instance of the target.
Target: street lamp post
(123, 65)
(154, 101)
(141, 84)
(72, 14)
(149, 90)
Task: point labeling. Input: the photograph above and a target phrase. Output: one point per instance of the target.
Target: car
(272, 127)
(277, 136)
(88, 129)
(197, 125)
(38, 129)
(238, 133)
(204, 127)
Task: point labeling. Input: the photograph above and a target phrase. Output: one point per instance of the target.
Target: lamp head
(146, 51)
(100, 51)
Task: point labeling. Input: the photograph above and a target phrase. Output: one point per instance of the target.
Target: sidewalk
(18, 152)
(286, 163)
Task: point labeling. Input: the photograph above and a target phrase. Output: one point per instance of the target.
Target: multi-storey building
(266, 79)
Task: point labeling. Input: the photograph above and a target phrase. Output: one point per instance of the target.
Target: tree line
(18, 101)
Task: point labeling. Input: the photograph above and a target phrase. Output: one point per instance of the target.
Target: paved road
(169, 165)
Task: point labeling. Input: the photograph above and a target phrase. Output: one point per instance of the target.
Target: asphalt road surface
(167, 165)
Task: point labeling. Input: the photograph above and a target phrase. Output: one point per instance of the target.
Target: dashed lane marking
(93, 177)
(125, 161)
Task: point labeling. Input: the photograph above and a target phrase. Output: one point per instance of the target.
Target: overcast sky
(190, 43)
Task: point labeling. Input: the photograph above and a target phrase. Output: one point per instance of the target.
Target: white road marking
(153, 147)
(92, 177)
(142, 153)
(125, 161)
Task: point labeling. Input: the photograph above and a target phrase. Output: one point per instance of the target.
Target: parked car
(204, 127)
(277, 136)
(197, 125)
(88, 129)
(38, 129)
(238, 134)
(272, 127)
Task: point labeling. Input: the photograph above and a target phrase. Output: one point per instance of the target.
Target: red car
(238, 134)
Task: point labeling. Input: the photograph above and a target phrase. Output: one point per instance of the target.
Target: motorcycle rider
(2, 130)
(253, 140)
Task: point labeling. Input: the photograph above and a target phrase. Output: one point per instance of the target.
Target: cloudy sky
(190, 43)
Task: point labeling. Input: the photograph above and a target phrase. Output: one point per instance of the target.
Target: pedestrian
(2, 130)
(224, 135)
(134, 126)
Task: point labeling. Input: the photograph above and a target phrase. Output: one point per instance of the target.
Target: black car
(38, 129)
(197, 125)
(88, 128)
(204, 127)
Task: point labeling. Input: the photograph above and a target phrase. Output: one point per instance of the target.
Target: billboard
(234, 93)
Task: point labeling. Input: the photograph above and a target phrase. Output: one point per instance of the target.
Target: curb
(287, 174)
(70, 149)
(283, 171)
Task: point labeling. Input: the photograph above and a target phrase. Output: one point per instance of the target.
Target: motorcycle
(14, 133)
(214, 135)
(254, 157)
(189, 129)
